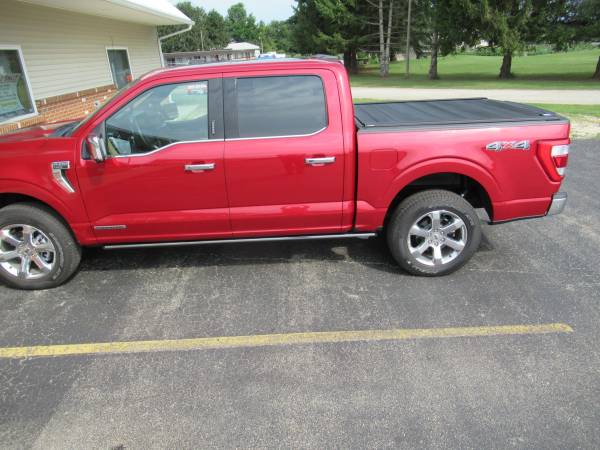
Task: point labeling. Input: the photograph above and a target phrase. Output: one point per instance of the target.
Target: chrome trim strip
(110, 227)
(319, 161)
(242, 240)
(58, 173)
(199, 167)
(279, 137)
(203, 141)
(559, 201)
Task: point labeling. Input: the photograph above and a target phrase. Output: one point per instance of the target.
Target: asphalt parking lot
(517, 390)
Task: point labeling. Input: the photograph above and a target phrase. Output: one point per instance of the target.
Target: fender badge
(498, 146)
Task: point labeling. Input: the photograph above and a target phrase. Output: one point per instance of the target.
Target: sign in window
(119, 67)
(15, 97)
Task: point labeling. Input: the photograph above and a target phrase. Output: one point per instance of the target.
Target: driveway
(566, 97)
(502, 384)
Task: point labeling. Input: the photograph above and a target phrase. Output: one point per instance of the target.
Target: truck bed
(439, 113)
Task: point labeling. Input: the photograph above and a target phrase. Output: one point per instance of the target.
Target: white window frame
(27, 82)
(128, 60)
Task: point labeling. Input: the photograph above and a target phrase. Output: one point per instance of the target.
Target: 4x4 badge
(498, 146)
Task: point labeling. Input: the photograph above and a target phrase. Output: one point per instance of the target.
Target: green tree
(209, 31)
(452, 23)
(241, 25)
(504, 24)
(511, 24)
(582, 24)
(216, 28)
(330, 26)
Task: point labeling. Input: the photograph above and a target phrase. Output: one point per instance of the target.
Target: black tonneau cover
(432, 113)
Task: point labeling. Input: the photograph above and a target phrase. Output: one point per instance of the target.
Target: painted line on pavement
(262, 340)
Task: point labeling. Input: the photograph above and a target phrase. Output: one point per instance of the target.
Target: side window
(160, 116)
(280, 106)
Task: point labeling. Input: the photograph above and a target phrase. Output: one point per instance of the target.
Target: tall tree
(208, 32)
(330, 26)
(216, 30)
(452, 23)
(582, 23)
(241, 25)
(385, 36)
(510, 24)
(504, 24)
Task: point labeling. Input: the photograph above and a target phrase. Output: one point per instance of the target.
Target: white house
(59, 57)
(244, 46)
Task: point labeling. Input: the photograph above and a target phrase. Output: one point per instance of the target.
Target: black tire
(67, 250)
(416, 206)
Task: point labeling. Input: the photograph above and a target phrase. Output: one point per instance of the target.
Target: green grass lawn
(571, 70)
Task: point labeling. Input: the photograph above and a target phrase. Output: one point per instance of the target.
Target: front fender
(71, 211)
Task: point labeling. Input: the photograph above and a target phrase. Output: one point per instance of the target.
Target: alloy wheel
(437, 238)
(26, 252)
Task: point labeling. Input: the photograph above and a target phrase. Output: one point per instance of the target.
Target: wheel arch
(478, 190)
(10, 198)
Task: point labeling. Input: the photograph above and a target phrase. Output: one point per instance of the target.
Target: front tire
(433, 233)
(37, 251)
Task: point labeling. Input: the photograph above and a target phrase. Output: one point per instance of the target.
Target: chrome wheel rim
(437, 238)
(26, 252)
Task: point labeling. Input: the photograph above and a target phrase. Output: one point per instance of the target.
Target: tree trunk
(435, 48)
(389, 39)
(382, 70)
(506, 69)
(597, 74)
(350, 61)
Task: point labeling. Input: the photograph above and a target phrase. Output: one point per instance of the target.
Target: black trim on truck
(474, 112)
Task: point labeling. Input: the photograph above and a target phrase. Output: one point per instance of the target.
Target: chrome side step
(243, 240)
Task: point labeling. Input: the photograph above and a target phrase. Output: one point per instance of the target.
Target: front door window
(119, 67)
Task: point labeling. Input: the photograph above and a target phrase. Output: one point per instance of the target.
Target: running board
(244, 240)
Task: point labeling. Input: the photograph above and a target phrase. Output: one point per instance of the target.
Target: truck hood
(34, 132)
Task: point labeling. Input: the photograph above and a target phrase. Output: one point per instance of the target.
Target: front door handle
(320, 161)
(199, 167)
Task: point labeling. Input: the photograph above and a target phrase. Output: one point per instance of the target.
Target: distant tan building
(60, 57)
(204, 57)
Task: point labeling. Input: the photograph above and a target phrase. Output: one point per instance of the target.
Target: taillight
(560, 157)
(554, 157)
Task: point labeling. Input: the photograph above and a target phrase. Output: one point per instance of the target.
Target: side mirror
(96, 148)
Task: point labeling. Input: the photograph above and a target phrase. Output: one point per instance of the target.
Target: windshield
(114, 98)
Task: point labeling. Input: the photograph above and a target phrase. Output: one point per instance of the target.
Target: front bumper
(559, 201)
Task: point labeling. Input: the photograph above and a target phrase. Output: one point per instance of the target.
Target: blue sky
(265, 10)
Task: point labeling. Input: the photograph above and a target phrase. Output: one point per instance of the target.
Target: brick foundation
(63, 107)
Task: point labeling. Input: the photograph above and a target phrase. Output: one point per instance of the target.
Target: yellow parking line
(277, 339)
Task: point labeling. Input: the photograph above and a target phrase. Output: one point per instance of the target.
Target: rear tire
(37, 251)
(433, 233)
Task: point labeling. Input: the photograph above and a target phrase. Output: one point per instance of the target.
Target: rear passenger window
(280, 106)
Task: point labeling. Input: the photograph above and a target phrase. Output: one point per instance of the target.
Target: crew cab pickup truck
(272, 150)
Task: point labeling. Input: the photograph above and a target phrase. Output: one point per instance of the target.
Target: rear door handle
(199, 167)
(320, 161)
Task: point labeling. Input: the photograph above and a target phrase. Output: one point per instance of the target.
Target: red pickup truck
(272, 151)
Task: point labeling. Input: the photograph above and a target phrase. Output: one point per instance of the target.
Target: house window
(16, 101)
(118, 58)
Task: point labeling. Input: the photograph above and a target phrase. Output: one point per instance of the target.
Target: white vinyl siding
(66, 52)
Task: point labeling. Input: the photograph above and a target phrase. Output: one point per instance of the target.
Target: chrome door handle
(199, 167)
(320, 161)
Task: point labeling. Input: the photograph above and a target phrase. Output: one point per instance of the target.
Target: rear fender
(445, 165)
